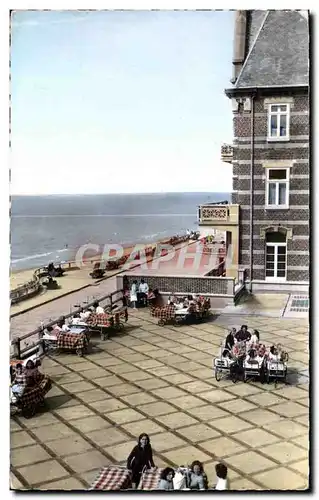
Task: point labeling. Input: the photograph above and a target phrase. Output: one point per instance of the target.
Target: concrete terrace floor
(159, 380)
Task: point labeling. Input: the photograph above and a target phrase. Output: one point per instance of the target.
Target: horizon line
(117, 193)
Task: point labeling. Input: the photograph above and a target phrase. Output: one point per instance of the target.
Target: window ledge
(276, 207)
(276, 280)
(278, 139)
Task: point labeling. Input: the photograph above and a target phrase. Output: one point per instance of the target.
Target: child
(18, 385)
(221, 474)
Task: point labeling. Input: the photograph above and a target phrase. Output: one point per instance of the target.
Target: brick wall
(187, 284)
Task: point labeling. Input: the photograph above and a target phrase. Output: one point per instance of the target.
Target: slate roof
(278, 50)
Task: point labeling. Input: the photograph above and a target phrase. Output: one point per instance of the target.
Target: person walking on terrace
(140, 458)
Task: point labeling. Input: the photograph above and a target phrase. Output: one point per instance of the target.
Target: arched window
(276, 256)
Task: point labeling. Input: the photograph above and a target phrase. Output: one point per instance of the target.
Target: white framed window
(276, 261)
(278, 122)
(277, 188)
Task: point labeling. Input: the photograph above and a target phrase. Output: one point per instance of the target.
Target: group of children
(141, 458)
(243, 344)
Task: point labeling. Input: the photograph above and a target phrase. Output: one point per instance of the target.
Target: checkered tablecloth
(150, 479)
(67, 340)
(112, 478)
(166, 312)
(35, 395)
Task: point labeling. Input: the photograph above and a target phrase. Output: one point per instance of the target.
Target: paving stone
(302, 467)
(284, 452)
(82, 367)
(152, 383)
(69, 445)
(88, 424)
(216, 395)
(106, 436)
(244, 390)
(56, 370)
(120, 452)
(237, 406)
(74, 412)
(260, 417)
(45, 471)
(124, 416)
(136, 375)
(186, 455)
(243, 484)
(110, 404)
(19, 439)
(28, 455)
(303, 441)
(304, 420)
(107, 382)
(207, 413)
(15, 484)
(14, 426)
(123, 389)
(231, 424)
(266, 399)
(166, 441)
(290, 409)
(196, 387)
(76, 387)
(281, 479)
(176, 420)
(70, 483)
(286, 428)
(40, 420)
(87, 461)
(94, 373)
(222, 446)
(57, 431)
(144, 426)
(68, 377)
(156, 409)
(256, 438)
(198, 432)
(169, 393)
(138, 398)
(94, 395)
(163, 371)
(123, 368)
(89, 477)
(187, 402)
(250, 462)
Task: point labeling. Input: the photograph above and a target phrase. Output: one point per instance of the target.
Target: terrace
(159, 380)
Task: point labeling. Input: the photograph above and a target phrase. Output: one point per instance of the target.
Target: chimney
(239, 43)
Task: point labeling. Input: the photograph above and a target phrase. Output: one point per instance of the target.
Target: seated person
(198, 478)
(230, 339)
(252, 356)
(166, 479)
(221, 476)
(18, 385)
(98, 308)
(255, 337)
(76, 319)
(273, 354)
(85, 314)
(61, 325)
(243, 334)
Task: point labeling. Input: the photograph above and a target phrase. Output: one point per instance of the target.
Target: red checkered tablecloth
(35, 395)
(165, 312)
(112, 478)
(67, 340)
(150, 479)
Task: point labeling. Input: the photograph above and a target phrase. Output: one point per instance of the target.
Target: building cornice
(274, 89)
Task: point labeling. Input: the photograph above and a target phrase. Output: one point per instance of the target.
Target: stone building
(270, 151)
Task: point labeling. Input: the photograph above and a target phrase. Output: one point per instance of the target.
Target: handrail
(16, 342)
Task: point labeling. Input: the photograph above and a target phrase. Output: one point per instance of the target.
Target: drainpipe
(252, 156)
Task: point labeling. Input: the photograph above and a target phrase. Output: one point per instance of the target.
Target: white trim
(278, 114)
(276, 205)
(275, 277)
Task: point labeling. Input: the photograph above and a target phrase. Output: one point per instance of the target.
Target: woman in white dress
(133, 294)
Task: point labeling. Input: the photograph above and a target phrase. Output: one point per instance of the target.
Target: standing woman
(141, 457)
(133, 294)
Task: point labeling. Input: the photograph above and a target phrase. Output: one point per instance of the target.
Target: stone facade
(251, 95)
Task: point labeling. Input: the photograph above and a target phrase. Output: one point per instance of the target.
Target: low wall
(206, 285)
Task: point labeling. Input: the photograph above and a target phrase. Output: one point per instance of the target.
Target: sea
(52, 228)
